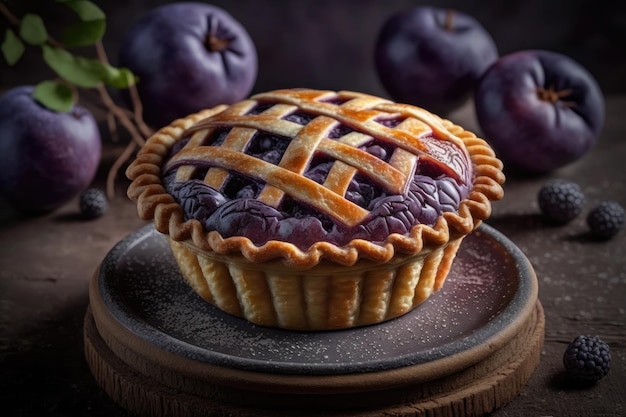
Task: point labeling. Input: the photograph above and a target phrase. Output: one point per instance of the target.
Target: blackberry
(93, 203)
(587, 359)
(606, 220)
(560, 201)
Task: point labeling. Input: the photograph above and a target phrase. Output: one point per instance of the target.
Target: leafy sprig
(74, 71)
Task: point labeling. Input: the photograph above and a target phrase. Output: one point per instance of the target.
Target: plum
(432, 57)
(188, 56)
(540, 110)
(46, 157)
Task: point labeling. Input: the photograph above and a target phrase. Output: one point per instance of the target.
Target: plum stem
(552, 96)
(216, 44)
(447, 24)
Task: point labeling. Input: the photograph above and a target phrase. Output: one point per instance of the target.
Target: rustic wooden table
(46, 263)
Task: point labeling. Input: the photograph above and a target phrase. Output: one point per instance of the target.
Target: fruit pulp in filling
(234, 210)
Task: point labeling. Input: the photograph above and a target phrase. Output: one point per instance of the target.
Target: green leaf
(54, 95)
(120, 78)
(12, 47)
(87, 11)
(32, 29)
(83, 33)
(83, 72)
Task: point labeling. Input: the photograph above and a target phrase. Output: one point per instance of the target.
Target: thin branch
(134, 95)
(117, 165)
(102, 55)
(121, 116)
(112, 126)
(137, 139)
(11, 18)
(138, 108)
(14, 21)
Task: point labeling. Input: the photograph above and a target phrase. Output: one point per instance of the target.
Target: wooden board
(475, 391)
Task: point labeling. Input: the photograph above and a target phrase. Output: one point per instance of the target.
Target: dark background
(329, 43)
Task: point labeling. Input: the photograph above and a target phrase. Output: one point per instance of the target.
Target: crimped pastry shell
(325, 297)
(154, 202)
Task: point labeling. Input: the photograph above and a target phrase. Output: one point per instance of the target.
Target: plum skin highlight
(539, 110)
(188, 56)
(46, 157)
(432, 57)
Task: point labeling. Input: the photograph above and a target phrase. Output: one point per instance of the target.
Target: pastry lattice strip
(358, 113)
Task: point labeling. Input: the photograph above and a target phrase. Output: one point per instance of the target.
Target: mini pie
(315, 210)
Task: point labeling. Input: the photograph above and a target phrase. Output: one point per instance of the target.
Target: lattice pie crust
(326, 286)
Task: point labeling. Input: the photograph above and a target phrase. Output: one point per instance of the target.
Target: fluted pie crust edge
(325, 297)
(155, 203)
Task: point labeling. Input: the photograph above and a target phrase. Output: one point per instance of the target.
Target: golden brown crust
(324, 297)
(153, 202)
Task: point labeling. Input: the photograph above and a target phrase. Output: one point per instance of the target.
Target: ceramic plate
(491, 283)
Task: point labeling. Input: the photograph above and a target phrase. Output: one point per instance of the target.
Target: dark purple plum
(540, 110)
(432, 57)
(188, 56)
(46, 157)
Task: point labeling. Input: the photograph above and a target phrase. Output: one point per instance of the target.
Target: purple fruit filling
(234, 210)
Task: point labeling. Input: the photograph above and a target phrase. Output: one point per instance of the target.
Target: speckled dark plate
(490, 286)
